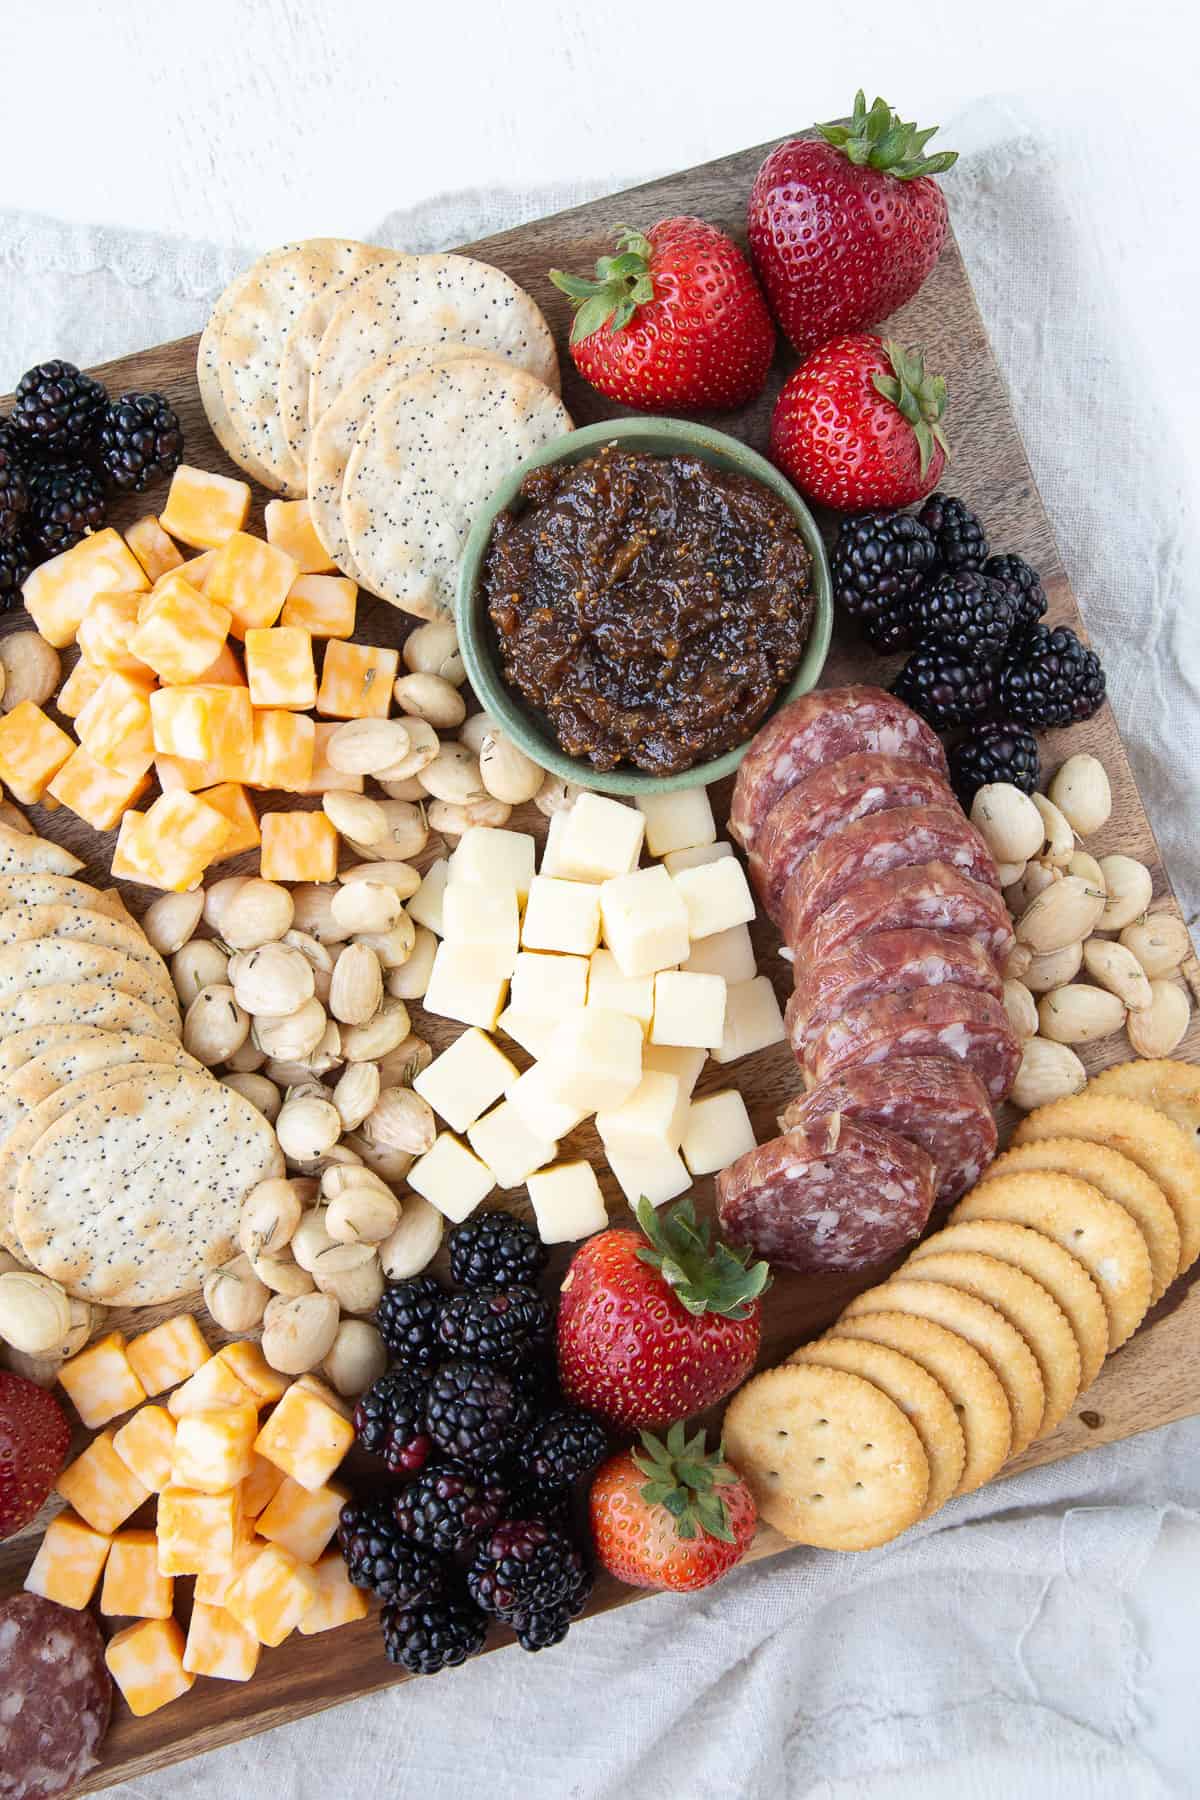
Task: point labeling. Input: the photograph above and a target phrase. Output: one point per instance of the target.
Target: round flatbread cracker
(43, 962)
(917, 1394)
(1060, 1273)
(60, 890)
(18, 924)
(78, 1053)
(21, 854)
(830, 1460)
(1169, 1087)
(48, 1009)
(301, 345)
(208, 380)
(133, 1196)
(1097, 1232)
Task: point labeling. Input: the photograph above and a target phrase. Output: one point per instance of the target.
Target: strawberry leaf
(703, 1277)
(683, 1477)
(621, 284)
(879, 139)
(920, 398)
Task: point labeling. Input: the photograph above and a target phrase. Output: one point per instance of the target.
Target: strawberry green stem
(682, 1476)
(702, 1276)
(622, 283)
(877, 138)
(920, 397)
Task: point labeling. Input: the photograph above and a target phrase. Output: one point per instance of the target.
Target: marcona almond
(270, 1214)
(310, 1238)
(1064, 913)
(1017, 966)
(408, 788)
(367, 906)
(217, 898)
(408, 980)
(32, 669)
(339, 1179)
(1053, 969)
(356, 991)
(247, 1059)
(293, 1037)
(1008, 821)
(453, 775)
(300, 1336)
(423, 745)
(1080, 1014)
(1130, 891)
(317, 955)
(259, 1090)
(361, 746)
(407, 829)
(479, 726)
(236, 1299)
(506, 772)
(433, 650)
(556, 795)
(352, 1274)
(390, 1165)
(214, 1026)
(1081, 791)
(259, 913)
(362, 1215)
(35, 1314)
(1008, 874)
(401, 1120)
(415, 1241)
(356, 1093)
(355, 816)
(307, 1127)
(172, 919)
(452, 820)
(401, 1066)
(199, 964)
(1160, 1027)
(399, 875)
(1086, 866)
(1048, 1071)
(282, 1275)
(1021, 1008)
(1059, 843)
(431, 698)
(1034, 879)
(328, 1052)
(274, 979)
(357, 1358)
(1160, 942)
(313, 912)
(372, 1041)
(1117, 969)
(395, 947)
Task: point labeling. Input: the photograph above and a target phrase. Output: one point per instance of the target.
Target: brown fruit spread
(649, 608)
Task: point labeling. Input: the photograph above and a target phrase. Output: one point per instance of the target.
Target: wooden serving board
(1156, 1377)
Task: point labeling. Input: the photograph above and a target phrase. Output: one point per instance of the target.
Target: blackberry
(957, 533)
(999, 751)
(477, 1413)
(542, 1627)
(389, 1421)
(964, 612)
(138, 441)
(562, 1448)
(407, 1317)
(379, 1556)
(435, 1635)
(494, 1250)
(14, 488)
(943, 688)
(878, 564)
(17, 558)
(526, 1565)
(1051, 678)
(66, 502)
(449, 1508)
(57, 409)
(1023, 585)
(503, 1326)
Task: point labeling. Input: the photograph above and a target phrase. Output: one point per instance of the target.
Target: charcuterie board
(1155, 1378)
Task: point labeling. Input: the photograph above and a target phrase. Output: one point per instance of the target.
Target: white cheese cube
(486, 921)
(658, 1176)
(562, 915)
(567, 1203)
(425, 907)
(695, 859)
(533, 1031)
(688, 1009)
(669, 1059)
(632, 995)
(543, 983)
(716, 895)
(717, 1132)
(752, 1020)
(500, 860)
(654, 1114)
(595, 1059)
(509, 1148)
(451, 1178)
(680, 819)
(645, 921)
(729, 953)
(551, 849)
(464, 1080)
(600, 839)
(459, 988)
(543, 1115)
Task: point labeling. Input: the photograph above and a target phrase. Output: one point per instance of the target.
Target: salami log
(888, 962)
(935, 1103)
(55, 1697)
(834, 1195)
(819, 728)
(931, 896)
(941, 1021)
(825, 801)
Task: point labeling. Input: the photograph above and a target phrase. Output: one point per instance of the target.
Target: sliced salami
(820, 728)
(942, 1021)
(937, 1104)
(888, 962)
(930, 896)
(55, 1697)
(832, 1196)
(825, 801)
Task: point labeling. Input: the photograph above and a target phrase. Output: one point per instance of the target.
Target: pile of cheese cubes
(618, 979)
(160, 686)
(245, 1504)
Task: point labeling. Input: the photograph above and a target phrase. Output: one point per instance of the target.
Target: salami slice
(825, 801)
(939, 1105)
(942, 1021)
(930, 896)
(831, 1196)
(55, 1697)
(820, 728)
(888, 962)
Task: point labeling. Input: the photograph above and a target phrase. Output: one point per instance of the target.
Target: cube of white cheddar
(672, 1059)
(425, 907)
(272, 1595)
(217, 1644)
(644, 921)
(510, 1149)
(305, 1438)
(717, 896)
(600, 839)
(595, 1059)
(451, 1177)
(654, 1114)
(567, 1203)
(301, 1521)
(502, 861)
(729, 954)
(543, 983)
(540, 1113)
(629, 994)
(337, 1601)
(680, 819)
(753, 1020)
(485, 921)
(146, 1662)
(658, 1176)
(464, 1080)
(717, 1132)
(551, 849)
(697, 857)
(561, 915)
(460, 989)
(214, 1448)
(688, 1010)
(533, 1031)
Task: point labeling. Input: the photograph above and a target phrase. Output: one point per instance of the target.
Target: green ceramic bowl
(662, 437)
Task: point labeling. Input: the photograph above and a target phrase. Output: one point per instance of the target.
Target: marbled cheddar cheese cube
(213, 1585)
(168, 1353)
(58, 593)
(260, 1485)
(280, 668)
(305, 1438)
(356, 681)
(272, 1595)
(207, 723)
(133, 852)
(290, 528)
(323, 605)
(203, 509)
(114, 725)
(146, 1445)
(96, 794)
(252, 579)
(180, 631)
(100, 1381)
(32, 750)
(298, 846)
(283, 752)
(253, 1370)
(198, 1533)
(214, 1448)
(146, 1662)
(170, 846)
(133, 1587)
(218, 1645)
(152, 547)
(225, 670)
(323, 778)
(234, 804)
(69, 1562)
(199, 568)
(301, 1521)
(338, 1601)
(103, 1490)
(105, 631)
(78, 689)
(216, 1384)
(176, 775)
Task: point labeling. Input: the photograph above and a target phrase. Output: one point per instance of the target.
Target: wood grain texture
(1156, 1377)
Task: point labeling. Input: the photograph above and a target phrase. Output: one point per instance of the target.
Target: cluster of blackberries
(468, 1417)
(64, 448)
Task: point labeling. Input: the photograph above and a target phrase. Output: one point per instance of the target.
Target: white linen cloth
(999, 1648)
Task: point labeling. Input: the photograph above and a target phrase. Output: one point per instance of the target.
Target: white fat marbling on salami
(55, 1697)
(888, 962)
(949, 1021)
(929, 896)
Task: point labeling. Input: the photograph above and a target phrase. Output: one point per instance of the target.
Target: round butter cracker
(1169, 1087)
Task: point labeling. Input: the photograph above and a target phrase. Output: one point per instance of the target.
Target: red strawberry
(858, 425)
(675, 321)
(670, 1516)
(845, 227)
(650, 1331)
(34, 1440)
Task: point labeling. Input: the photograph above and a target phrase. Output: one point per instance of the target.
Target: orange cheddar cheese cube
(234, 804)
(100, 1381)
(301, 1521)
(253, 1370)
(177, 775)
(105, 631)
(78, 688)
(216, 1384)
(204, 510)
(168, 1353)
(146, 1445)
(198, 1533)
(180, 632)
(337, 1602)
(133, 1586)
(323, 605)
(356, 680)
(146, 1662)
(260, 1485)
(96, 794)
(290, 528)
(214, 1448)
(152, 547)
(115, 725)
(305, 1438)
(198, 568)
(225, 670)
(171, 845)
(32, 750)
(252, 579)
(284, 748)
(280, 668)
(69, 1562)
(272, 1595)
(218, 1645)
(102, 1489)
(207, 723)
(213, 1585)
(324, 778)
(57, 594)
(298, 846)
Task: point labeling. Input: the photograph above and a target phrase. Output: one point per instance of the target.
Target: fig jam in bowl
(637, 599)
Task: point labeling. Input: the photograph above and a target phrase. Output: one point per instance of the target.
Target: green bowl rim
(512, 714)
